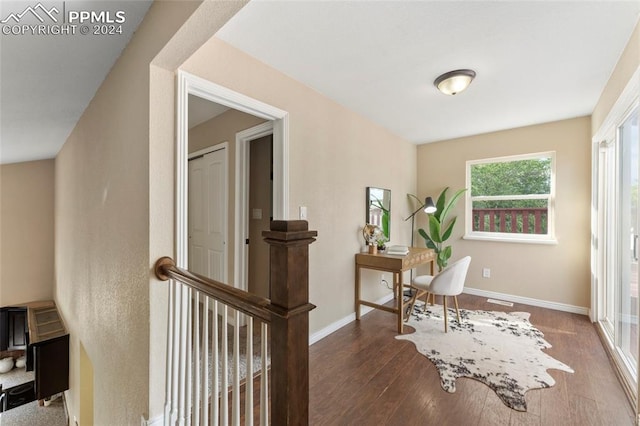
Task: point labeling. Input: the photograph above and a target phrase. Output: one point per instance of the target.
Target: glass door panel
(626, 289)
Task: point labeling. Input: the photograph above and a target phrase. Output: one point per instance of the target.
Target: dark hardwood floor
(362, 375)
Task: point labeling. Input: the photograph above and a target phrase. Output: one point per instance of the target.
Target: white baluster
(248, 396)
(196, 359)
(169, 365)
(224, 391)
(205, 361)
(189, 358)
(215, 363)
(235, 392)
(264, 382)
(184, 310)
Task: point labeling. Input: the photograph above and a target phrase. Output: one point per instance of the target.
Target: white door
(208, 215)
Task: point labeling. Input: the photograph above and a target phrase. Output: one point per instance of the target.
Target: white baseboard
(528, 301)
(321, 334)
(335, 326)
(158, 421)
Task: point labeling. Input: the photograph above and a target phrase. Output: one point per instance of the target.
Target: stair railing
(202, 310)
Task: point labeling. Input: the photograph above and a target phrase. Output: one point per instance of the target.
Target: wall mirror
(379, 209)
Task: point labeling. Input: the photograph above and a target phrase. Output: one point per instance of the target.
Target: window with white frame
(511, 198)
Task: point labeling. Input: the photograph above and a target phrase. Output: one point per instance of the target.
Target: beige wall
(222, 128)
(334, 154)
(557, 273)
(26, 232)
(627, 64)
(102, 225)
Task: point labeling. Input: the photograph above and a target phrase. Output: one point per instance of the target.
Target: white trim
(240, 266)
(627, 100)
(627, 382)
(517, 238)
(603, 142)
(528, 301)
(337, 325)
(548, 238)
(157, 421)
(510, 158)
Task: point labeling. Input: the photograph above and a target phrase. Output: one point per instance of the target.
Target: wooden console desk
(396, 265)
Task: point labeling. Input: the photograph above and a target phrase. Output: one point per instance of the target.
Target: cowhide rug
(501, 350)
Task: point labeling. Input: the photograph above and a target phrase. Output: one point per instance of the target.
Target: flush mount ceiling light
(453, 82)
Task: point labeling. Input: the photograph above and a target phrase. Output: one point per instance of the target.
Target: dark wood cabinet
(51, 360)
(18, 329)
(38, 329)
(13, 328)
(48, 351)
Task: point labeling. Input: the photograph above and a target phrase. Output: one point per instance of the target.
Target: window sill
(516, 239)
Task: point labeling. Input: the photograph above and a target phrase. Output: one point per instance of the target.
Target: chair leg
(413, 302)
(444, 303)
(455, 299)
(426, 301)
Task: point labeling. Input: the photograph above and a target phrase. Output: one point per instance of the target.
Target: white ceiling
(47, 81)
(536, 61)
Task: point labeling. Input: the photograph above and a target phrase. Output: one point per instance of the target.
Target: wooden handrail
(248, 303)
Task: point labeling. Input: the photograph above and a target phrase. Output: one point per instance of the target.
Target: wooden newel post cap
(283, 231)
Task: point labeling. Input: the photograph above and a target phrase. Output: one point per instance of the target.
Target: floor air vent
(500, 302)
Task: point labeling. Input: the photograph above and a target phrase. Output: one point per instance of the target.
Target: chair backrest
(450, 281)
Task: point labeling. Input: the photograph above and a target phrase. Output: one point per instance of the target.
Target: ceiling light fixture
(453, 82)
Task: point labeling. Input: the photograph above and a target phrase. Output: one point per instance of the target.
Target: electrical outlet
(486, 273)
(383, 279)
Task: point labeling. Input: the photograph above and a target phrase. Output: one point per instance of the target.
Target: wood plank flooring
(362, 375)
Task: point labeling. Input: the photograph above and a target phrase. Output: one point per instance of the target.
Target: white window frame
(548, 238)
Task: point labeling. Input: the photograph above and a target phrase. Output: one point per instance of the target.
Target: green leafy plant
(385, 217)
(441, 227)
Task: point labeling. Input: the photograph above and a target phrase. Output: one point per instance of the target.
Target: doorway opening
(260, 120)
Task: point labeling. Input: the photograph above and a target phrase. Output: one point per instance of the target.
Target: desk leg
(397, 283)
(357, 292)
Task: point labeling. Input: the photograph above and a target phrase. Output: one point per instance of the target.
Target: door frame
(189, 84)
(243, 138)
(225, 216)
(604, 239)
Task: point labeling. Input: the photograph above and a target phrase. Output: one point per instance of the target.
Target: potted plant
(441, 227)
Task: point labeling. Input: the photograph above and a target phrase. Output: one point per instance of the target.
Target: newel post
(289, 263)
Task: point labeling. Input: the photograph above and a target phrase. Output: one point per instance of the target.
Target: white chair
(449, 282)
